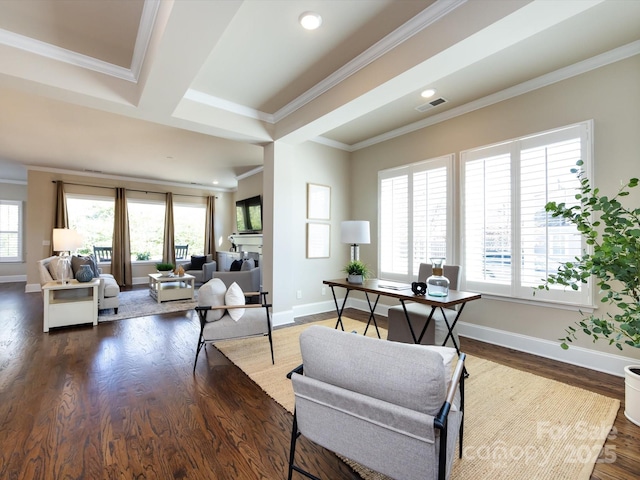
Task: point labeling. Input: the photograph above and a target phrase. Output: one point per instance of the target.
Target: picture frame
(318, 240)
(318, 202)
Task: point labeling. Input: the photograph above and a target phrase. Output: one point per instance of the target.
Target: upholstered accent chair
(392, 407)
(201, 266)
(224, 316)
(437, 331)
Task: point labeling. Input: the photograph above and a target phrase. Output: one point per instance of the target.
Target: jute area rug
(138, 303)
(517, 425)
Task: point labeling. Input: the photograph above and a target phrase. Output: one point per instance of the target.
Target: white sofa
(108, 290)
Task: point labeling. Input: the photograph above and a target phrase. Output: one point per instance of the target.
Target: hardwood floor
(119, 401)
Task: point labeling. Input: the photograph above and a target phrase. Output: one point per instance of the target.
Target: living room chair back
(437, 332)
(392, 407)
(214, 327)
(181, 251)
(102, 254)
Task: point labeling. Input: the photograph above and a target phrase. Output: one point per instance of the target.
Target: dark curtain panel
(61, 219)
(121, 255)
(209, 234)
(169, 248)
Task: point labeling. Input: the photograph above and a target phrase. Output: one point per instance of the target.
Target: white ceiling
(188, 91)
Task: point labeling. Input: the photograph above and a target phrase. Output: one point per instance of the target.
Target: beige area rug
(517, 425)
(138, 303)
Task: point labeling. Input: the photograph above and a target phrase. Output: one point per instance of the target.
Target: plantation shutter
(10, 231)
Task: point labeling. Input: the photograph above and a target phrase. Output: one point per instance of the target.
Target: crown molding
(332, 143)
(413, 26)
(217, 102)
(54, 52)
(250, 173)
(13, 181)
(96, 174)
(427, 17)
(565, 73)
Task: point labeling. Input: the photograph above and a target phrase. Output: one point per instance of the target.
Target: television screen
(249, 215)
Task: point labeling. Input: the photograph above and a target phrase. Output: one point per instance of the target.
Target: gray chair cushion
(406, 375)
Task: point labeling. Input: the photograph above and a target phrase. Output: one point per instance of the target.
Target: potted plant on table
(613, 232)
(357, 271)
(164, 269)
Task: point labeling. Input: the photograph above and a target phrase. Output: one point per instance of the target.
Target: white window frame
(515, 290)
(19, 232)
(445, 161)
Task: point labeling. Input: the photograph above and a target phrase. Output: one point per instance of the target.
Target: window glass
(510, 243)
(415, 218)
(146, 229)
(92, 218)
(10, 231)
(188, 223)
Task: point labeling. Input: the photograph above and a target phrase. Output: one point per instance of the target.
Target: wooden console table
(391, 289)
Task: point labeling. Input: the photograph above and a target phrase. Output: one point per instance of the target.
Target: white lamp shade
(355, 232)
(66, 240)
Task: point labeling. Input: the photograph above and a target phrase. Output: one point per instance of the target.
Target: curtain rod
(131, 189)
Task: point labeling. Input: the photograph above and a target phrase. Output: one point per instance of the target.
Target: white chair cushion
(233, 297)
(212, 294)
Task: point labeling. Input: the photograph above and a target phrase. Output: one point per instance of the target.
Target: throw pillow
(77, 261)
(233, 297)
(197, 262)
(236, 265)
(211, 294)
(54, 268)
(248, 264)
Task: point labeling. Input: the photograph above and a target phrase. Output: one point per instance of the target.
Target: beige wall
(41, 202)
(609, 95)
(14, 191)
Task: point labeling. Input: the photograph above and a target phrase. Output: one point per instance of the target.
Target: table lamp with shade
(355, 233)
(65, 241)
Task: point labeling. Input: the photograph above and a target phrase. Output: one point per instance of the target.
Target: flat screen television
(249, 215)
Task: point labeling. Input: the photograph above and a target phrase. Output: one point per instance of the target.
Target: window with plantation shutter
(10, 231)
(414, 217)
(510, 243)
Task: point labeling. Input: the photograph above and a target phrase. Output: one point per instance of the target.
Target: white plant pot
(632, 394)
(355, 279)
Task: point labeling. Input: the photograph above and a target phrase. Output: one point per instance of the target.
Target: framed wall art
(318, 202)
(318, 240)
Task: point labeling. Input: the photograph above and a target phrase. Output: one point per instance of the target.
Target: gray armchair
(248, 280)
(392, 407)
(202, 273)
(437, 331)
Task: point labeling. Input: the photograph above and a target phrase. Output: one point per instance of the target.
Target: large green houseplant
(613, 233)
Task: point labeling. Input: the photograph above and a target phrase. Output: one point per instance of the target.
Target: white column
(277, 230)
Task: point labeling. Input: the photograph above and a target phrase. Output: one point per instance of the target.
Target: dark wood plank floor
(119, 401)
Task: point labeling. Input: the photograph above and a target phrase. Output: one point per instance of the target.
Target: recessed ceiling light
(310, 20)
(428, 93)
(215, 182)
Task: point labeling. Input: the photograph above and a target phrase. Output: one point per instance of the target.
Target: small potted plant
(357, 271)
(165, 269)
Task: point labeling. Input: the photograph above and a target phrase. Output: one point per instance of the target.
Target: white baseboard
(579, 356)
(32, 287)
(282, 318)
(13, 278)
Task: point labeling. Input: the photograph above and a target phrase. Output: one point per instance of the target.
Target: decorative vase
(632, 393)
(437, 284)
(358, 279)
(85, 274)
(180, 271)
